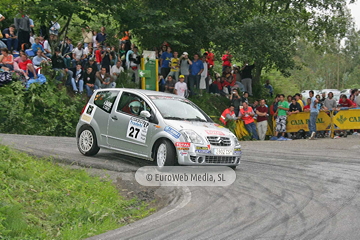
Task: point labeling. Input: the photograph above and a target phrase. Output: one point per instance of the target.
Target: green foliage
(41, 200)
(42, 110)
(211, 104)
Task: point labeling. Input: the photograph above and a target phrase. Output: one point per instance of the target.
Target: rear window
(105, 100)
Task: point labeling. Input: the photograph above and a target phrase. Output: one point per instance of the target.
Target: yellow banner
(240, 130)
(347, 119)
(298, 121)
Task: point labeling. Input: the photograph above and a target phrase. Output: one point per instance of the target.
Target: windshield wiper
(198, 119)
(174, 118)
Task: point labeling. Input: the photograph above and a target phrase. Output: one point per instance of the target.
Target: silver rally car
(154, 126)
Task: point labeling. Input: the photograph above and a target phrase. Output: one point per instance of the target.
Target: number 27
(131, 133)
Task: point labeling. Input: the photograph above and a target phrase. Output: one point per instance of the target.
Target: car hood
(203, 128)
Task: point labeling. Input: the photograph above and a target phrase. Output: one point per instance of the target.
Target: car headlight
(236, 141)
(192, 136)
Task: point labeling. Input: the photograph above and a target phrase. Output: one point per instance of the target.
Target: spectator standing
(106, 58)
(195, 70)
(247, 115)
(247, 77)
(181, 87)
(174, 66)
(226, 58)
(314, 112)
(104, 80)
(262, 119)
(134, 62)
(269, 88)
(98, 54)
(228, 114)
(204, 84)
(170, 84)
(87, 36)
(101, 36)
(330, 102)
(235, 101)
(77, 81)
(89, 81)
(23, 27)
(294, 107)
(165, 62)
(185, 63)
(298, 100)
(282, 108)
(307, 106)
(12, 41)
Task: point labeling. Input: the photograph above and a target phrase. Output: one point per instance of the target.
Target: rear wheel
(87, 143)
(165, 154)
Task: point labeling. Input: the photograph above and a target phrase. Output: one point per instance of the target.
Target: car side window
(105, 100)
(132, 104)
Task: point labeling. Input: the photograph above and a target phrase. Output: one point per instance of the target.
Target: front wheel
(165, 154)
(87, 143)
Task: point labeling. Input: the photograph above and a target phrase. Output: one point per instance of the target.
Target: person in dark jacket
(58, 64)
(246, 77)
(89, 81)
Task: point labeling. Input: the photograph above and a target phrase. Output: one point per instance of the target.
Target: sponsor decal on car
(237, 151)
(137, 129)
(183, 153)
(182, 144)
(172, 132)
(218, 125)
(205, 150)
(183, 148)
(88, 114)
(107, 105)
(214, 132)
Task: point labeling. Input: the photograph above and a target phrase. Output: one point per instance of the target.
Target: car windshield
(175, 108)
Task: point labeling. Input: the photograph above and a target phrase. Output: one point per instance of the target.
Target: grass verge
(41, 200)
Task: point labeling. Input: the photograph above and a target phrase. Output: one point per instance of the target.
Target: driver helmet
(135, 107)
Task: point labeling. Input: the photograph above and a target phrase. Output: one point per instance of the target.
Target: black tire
(233, 167)
(87, 142)
(165, 154)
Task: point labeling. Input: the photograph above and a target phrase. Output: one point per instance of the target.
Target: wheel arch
(156, 143)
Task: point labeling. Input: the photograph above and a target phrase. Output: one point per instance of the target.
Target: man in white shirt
(78, 54)
(181, 87)
(116, 69)
(47, 48)
(204, 75)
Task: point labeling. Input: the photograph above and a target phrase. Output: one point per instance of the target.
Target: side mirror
(145, 114)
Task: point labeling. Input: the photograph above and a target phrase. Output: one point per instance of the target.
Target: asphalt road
(284, 190)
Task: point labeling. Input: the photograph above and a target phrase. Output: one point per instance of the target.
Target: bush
(41, 110)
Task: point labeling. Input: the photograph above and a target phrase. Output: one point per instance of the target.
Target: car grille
(220, 159)
(219, 141)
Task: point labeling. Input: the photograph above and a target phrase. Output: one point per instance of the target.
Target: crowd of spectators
(281, 108)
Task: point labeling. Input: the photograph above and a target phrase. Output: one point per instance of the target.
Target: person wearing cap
(181, 87)
(58, 64)
(184, 65)
(92, 64)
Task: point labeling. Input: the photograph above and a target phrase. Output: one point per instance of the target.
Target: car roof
(144, 92)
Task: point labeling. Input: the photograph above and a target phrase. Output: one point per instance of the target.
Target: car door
(127, 131)
(104, 101)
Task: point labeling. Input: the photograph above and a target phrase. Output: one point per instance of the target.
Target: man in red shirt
(226, 58)
(262, 123)
(247, 115)
(346, 103)
(98, 57)
(27, 66)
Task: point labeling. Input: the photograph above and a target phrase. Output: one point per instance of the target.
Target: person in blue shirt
(314, 112)
(164, 62)
(37, 46)
(195, 69)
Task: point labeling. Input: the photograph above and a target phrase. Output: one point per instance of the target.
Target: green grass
(41, 200)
